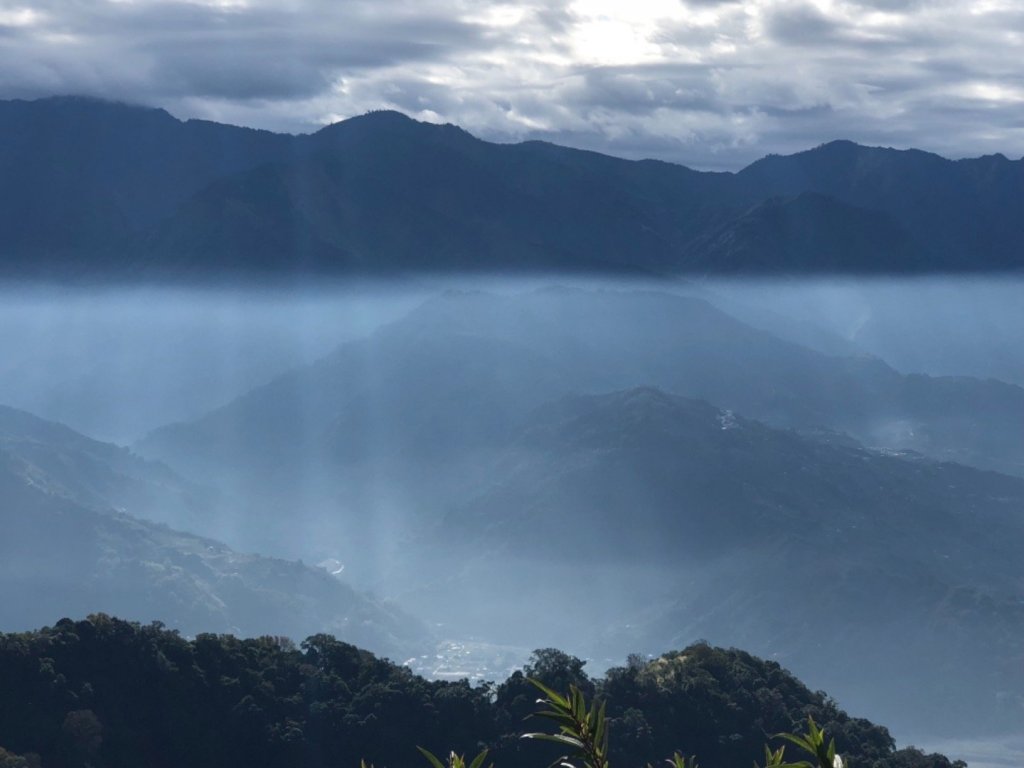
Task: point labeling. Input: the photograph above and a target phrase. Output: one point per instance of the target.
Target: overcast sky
(709, 83)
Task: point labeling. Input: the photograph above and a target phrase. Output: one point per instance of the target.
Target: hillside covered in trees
(107, 693)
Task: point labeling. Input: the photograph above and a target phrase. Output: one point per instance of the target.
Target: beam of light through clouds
(710, 83)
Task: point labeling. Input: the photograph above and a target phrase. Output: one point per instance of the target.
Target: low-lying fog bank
(943, 326)
(118, 362)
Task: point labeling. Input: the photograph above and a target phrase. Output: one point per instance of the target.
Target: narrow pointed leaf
(555, 698)
(558, 717)
(558, 738)
(600, 731)
(431, 757)
(800, 741)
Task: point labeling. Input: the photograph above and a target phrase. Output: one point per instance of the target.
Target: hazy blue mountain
(336, 458)
(456, 377)
(894, 581)
(101, 475)
(89, 187)
(450, 460)
(70, 547)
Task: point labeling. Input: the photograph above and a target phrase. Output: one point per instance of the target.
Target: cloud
(156, 51)
(803, 24)
(711, 83)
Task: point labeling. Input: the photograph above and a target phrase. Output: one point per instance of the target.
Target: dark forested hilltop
(92, 188)
(107, 693)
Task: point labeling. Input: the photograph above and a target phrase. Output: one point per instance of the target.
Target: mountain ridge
(84, 529)
(682, 344)
(721, 523)
(486, 447)
(142, 193)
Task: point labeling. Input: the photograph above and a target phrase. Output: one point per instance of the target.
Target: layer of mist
(517, 462)
(117, 362)
(941, 326)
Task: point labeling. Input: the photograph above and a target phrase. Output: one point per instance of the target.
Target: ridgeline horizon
(388, 113)
(101, 189)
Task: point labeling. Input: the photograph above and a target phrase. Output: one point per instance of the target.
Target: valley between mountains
(508, 468)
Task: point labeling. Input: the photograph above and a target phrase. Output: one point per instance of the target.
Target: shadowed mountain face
(70, 547)
(81, 175)
(810, 228)
(685, 479)
(959, 210)
(669, 519)
(91, 188)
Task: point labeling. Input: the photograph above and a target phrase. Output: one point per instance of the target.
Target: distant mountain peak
(838, 145)
(381, 116)
(840, 151)
(94, 105)
(390, 120)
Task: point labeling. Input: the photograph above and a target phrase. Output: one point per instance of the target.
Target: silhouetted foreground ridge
(104, 692)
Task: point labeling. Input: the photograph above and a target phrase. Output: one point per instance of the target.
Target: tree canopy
(109, 693)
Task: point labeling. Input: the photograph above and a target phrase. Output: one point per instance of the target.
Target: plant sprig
(583, 729)
(455, 760)
(812, 742)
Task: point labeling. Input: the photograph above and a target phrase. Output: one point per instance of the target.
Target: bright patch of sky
(710, 83)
